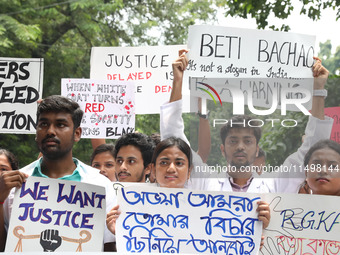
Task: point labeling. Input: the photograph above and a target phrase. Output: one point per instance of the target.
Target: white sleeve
(171, 121)
(315, 131)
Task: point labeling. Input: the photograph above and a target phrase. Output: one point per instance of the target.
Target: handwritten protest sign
(334, 112)
(109, 106)
(302, 224)
(251, 67)
(219, 52)
(21, 85)
(150, 67)
(184, 221)
(57, 215)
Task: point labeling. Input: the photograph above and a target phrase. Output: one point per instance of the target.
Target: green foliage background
(63, 32)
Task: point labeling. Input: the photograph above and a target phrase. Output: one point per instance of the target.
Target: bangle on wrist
(320, 93)
(1, 203)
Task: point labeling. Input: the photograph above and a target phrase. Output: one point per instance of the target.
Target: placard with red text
(302, 224)
(149, 67)
(109, 106)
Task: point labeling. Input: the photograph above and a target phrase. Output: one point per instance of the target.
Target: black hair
(156, 138)
(241, 121)
(103, 148)
(321, 145)
(11, 158)
(56, 103)
(170, 142)
(143, 142)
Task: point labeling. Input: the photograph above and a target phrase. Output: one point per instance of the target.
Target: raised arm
(178, 68)
(320, 74)
(318, 127)
(171, 122)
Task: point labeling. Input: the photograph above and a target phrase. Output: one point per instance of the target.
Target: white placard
(220, 52)
(21, 85)
(302, 224)
(150, 67)
(251, 67)
(57, 215)
(161, 220)
(109, 106)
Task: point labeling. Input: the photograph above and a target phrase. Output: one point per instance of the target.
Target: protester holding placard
(133, 154)
(8, 161)
(171, 164)
(58, 128)
(103, 159)
(318, 128)
(308, 225)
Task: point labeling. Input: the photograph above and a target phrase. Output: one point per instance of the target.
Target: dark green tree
(63, 32)
(282, 9)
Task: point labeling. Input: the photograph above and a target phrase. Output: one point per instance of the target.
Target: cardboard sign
(150, 67)
(334, 112)
(220, 52)
(57, 215)
(21, 85)
(302, 224)
(109, 106)
(161, 220)
(251, 67)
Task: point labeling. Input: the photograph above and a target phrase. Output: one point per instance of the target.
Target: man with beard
(133, 154)
(58, 128)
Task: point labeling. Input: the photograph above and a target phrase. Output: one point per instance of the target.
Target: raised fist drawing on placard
(50, 240)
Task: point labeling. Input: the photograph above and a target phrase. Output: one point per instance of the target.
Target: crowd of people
(167, 160)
